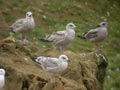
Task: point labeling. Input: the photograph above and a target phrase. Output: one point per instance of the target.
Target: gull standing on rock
(2, 77)
(52, 65)
(96, 35)
(62, 38)
(24, 25)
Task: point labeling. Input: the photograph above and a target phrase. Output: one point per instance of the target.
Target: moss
(80, 74)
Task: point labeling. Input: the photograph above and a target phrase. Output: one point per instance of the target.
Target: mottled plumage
(24, 25)
(61, 38)
(96, 35)
(52, 65)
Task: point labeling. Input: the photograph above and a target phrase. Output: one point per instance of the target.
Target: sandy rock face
(83, 72)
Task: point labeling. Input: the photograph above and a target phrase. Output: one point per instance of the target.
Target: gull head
(103, 24)
(70, 26)
(29, 14)
(64, 58)
(2, 72)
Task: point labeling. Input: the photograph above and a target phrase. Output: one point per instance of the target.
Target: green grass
(1, 1)
(9, 18)
(86, 14)
(15, 4)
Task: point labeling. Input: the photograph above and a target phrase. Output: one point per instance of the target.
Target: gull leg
(25, 41)
(100, 50)
(61, 49)
(54, 47)
(53, 79)
(96, 48)
(21, 36)
(11, 34)
(58, 76)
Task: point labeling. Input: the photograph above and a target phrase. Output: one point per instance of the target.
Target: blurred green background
(53, 15)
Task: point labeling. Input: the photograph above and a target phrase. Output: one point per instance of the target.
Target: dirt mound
(83, 72)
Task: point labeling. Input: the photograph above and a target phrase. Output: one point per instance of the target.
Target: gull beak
(68, 60)
(30, 15)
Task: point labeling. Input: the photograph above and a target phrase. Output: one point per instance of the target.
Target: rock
(83, 72)
(53, 86)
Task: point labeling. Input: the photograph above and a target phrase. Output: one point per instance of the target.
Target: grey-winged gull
(24, 25)
(2, 77)
(61, 38)
(52, 65)
(96, 35)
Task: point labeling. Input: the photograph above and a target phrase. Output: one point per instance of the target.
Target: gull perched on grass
(61, 38)
(96, 35)
(52, 65)
(24, 25)
(2, 77)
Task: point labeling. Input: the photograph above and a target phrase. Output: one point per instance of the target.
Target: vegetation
(53, 15)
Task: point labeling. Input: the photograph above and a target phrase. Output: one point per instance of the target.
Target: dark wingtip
(10, 29)
(33, 58)
(82, 37)
(78, 35)
(44, 40)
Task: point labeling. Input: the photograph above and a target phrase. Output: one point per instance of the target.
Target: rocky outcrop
(84, 71)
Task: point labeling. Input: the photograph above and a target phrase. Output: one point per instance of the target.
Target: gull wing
(56, 36)
(17, 25)
(50, 62)
(91, 34)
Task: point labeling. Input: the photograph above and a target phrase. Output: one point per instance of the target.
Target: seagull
(61, 38)
(2, 77)
(52, 65)
(24, 25)
(96, 35)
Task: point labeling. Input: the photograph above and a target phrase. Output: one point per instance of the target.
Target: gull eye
(63, 58)
(103, 24)
(70, 25)
(38, 60)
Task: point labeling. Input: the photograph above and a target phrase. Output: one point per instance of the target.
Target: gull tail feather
(33, 58)
(44, 40)
(10, 29)
(81, 37)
